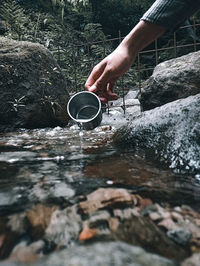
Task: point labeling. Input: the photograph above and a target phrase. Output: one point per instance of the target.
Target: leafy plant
(93, 32)
(62, 5)
(49, 100)
(17, 103)
(14, 15)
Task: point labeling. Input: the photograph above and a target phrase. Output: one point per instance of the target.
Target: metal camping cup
(85, 109)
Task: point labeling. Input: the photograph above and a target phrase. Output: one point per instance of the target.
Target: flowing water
(56, 165)
(48, 169)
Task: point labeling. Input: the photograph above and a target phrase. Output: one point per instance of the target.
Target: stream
(60, 166)
(48, 164)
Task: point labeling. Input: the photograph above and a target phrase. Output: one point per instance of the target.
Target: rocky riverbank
(126, 193)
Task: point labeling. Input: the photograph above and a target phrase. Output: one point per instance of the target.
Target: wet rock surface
(33, 89)
(170, 133)
(171, 80)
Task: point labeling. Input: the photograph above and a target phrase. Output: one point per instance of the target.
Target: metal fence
(146, 60)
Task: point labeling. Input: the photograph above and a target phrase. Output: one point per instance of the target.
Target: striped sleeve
(171, 13)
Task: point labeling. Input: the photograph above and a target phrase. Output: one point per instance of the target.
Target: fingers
(110, 92)
(103, 99)
(94, 76)
(107, 95)
(101, 82)
(106, 98)
(100, 76)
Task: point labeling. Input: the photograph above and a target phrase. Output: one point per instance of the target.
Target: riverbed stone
(168, 134)
(141, 231)
(107, 198)
(194, 260)
(33, 90)
(64, 226)
(39, 218)
(27, 253)
(171, 80)
(98, 254)
(56, 191)
(180, 236)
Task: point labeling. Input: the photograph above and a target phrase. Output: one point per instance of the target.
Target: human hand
(104, 75)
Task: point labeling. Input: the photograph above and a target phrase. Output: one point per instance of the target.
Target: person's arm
(162, 15)
(104, 75)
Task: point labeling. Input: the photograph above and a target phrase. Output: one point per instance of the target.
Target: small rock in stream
(64, 226)
(27, 254)
(180, 236)
(39, 219)
(194, 260)
(98, 254)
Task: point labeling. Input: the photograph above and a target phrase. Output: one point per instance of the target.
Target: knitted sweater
(171, 13)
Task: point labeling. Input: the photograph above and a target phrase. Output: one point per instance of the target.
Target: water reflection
(130, 170)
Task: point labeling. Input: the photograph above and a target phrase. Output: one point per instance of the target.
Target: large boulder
(33, 91)
(172, 80)
(170, 134)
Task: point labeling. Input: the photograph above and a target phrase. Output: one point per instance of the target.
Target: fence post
(122, 81)
(104, 48)
(74, 66)
(195, 36)
(175, 48)
(59, 54)
(139, 72)
(156, 51)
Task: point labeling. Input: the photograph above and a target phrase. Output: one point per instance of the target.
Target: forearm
(141, 36)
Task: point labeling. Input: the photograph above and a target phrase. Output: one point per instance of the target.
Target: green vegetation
(15, 17)
(75, 31)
